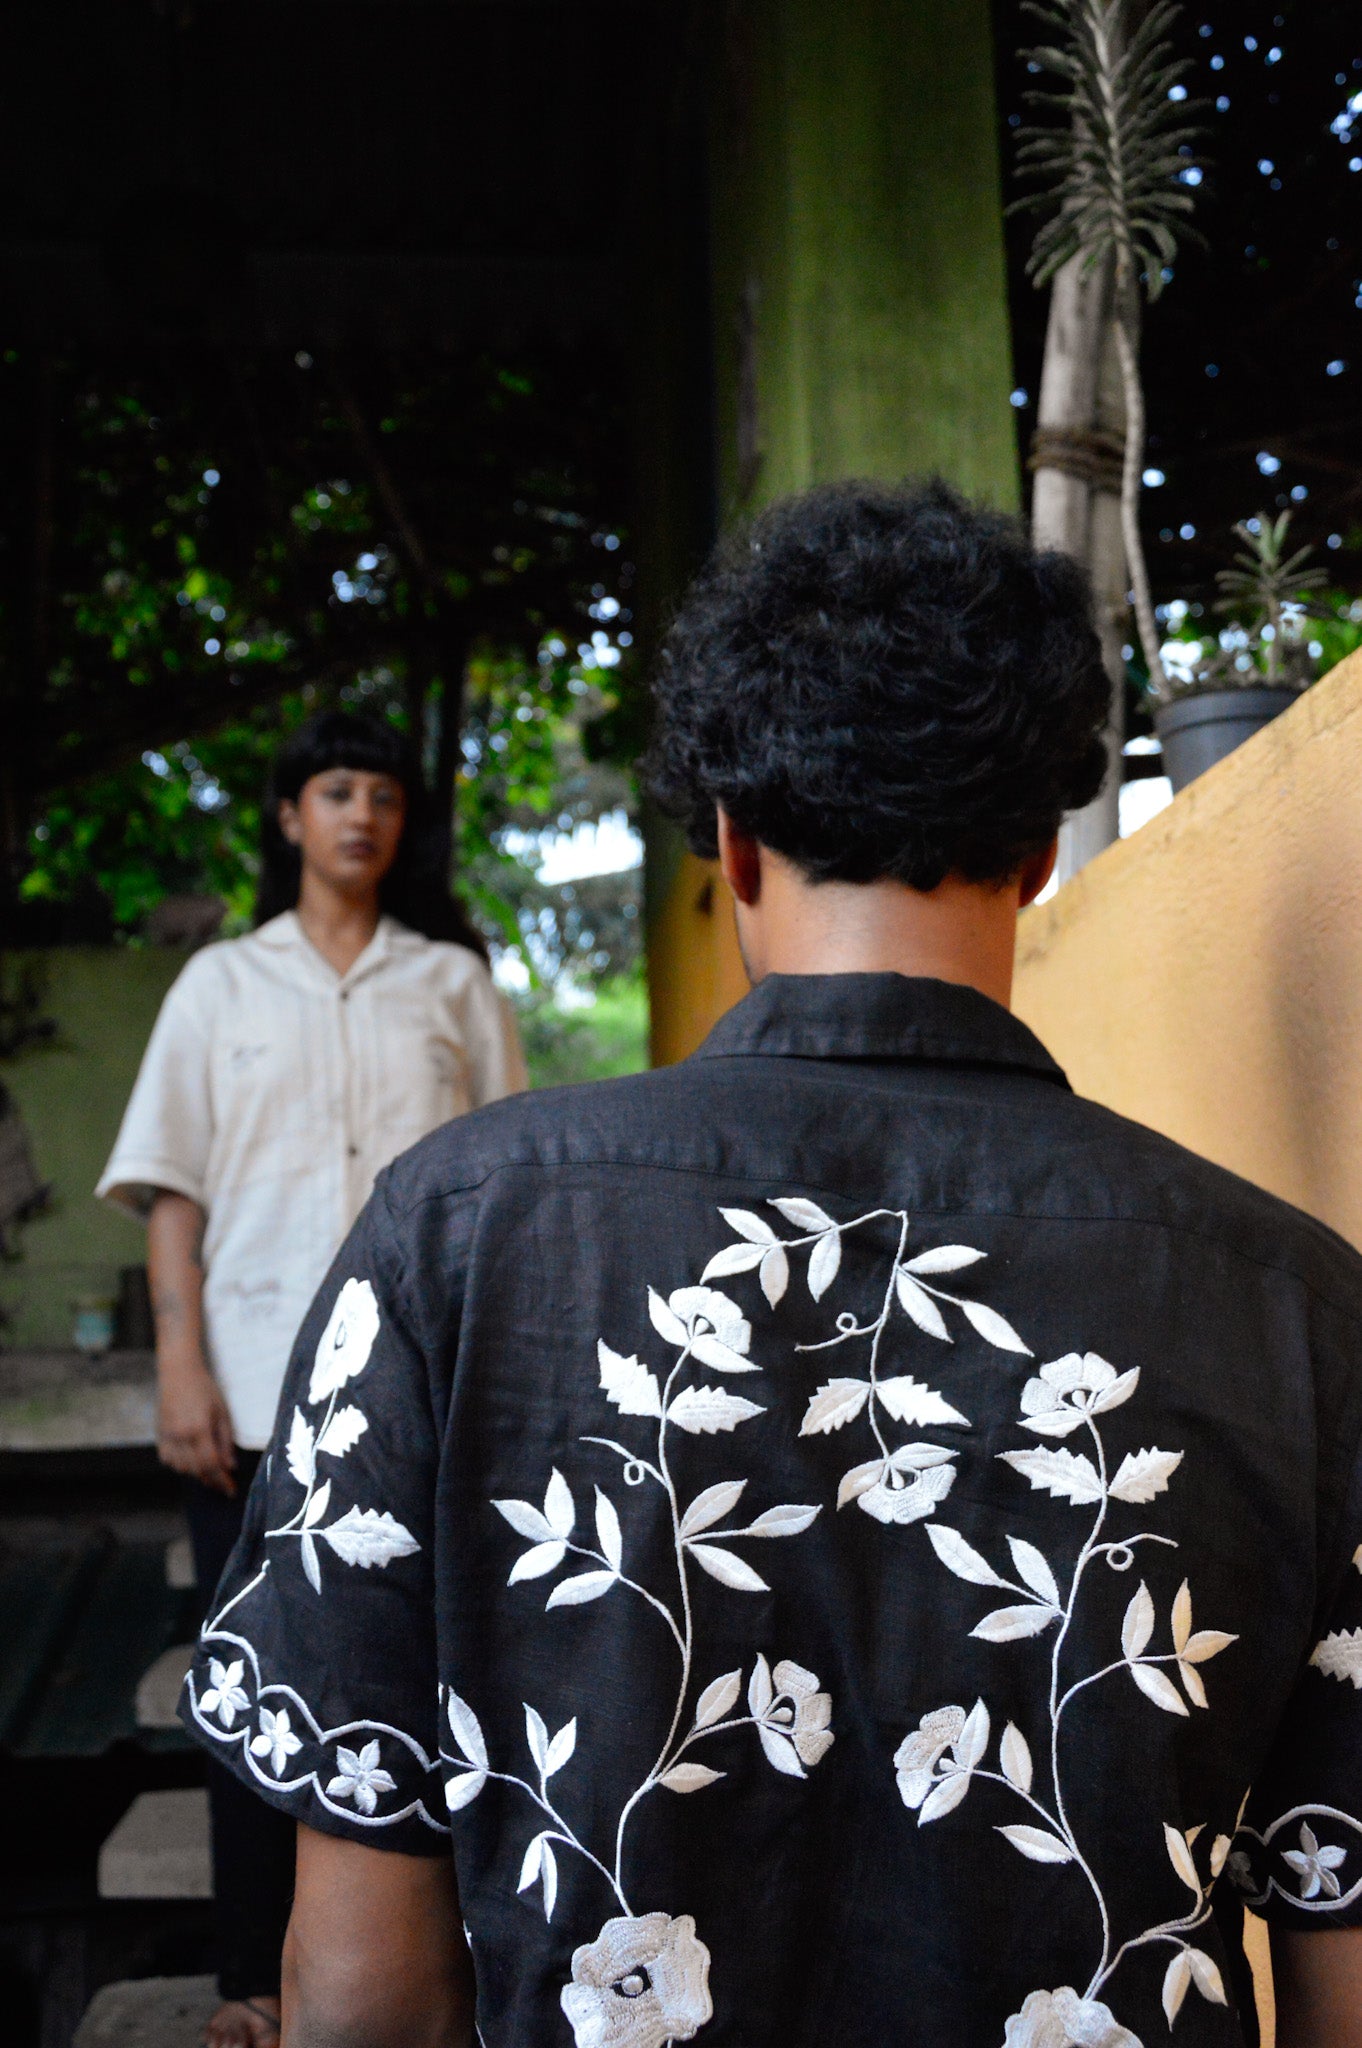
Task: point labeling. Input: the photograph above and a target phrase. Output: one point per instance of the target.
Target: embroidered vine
(644, 1980)
(907, 1481)
(938, 1763)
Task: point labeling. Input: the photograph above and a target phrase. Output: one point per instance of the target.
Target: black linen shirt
(842, 1539)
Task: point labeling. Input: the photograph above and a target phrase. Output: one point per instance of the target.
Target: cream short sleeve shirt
(273, 1090)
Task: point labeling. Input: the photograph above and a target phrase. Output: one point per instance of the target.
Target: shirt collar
(877, 1017)
(286, 934)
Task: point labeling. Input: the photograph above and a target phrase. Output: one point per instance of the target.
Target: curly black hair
(882, 681)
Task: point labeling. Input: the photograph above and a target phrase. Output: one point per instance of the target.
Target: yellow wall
(1205, 976)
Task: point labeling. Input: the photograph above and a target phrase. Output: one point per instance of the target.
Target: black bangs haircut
(414, 890)
(882, 681)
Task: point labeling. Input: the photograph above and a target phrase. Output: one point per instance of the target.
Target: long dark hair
(414, 890)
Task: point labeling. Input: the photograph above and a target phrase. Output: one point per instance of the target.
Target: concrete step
(158, 1690)
(159, 1850)
(149, 2012)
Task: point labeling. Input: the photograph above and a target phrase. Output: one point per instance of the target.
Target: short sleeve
(315, 1679)
(1298, 1854)
(495, 1059)
(166, 1135)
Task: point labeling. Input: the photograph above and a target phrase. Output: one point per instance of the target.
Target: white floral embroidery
(644, 1980)
(1313, 1885)
(276, 1740)
(640, 1984)
(359, 1777)
(1314, 1866)
(365, 1537)
(937, 1763)
(907, 1483)
(224, 1696)
(1061, 2019)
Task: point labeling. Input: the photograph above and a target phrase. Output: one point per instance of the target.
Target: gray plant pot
(1196, 732)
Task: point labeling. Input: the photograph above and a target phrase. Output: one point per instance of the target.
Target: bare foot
(244, 2023)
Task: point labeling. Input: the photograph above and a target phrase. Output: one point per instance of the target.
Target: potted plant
(1210, 697)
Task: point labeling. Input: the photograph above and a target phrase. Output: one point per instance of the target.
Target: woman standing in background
(284, 1071)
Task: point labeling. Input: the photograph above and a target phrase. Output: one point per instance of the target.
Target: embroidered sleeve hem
(1303, 1869)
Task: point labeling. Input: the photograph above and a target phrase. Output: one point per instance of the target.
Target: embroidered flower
(1239, 1868)
(1061, 2019)
(225, 1697)
(276, 1739)
(347, 1340)
(917, 1756)
(714, 1327)
(792, 1716)
(903, 1497)
(1065, 1393)
(359, 1777)
(1314, 1866)
(639, 1984)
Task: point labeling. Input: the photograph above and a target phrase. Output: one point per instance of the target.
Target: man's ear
(740, 860)
(1036, 872)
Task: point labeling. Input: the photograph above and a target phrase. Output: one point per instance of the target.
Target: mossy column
(858, 311)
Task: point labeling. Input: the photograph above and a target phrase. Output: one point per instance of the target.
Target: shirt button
(345, 995)
(353, 1150)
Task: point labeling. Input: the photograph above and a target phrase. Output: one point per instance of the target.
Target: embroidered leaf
(734, 1258)
(559, 1512)
(945, 1795)
(760, 1690)
(1037, 1844)
(774, 1274)
(1340, 1655)
(1206, 1976)
(524, 1519)
(780, 1752)
(918, 1406)
(1142, 1474)
(1010, 1624)
(919, 1457)
(689, 1778)
(664, 1320)
(298, 1450)
(834, 1405)
(1207, 1642)
(1357, 1557)
(805, 1215)
(1180, 1856)
(318, 1505)
(945, 1258)
(1157, 1687)
(1033, 1570)
(1067, 1475)
(728, 1569)
(1014, 1754)
(972, 1741)
(824, 1261)
(365, 1537)
(531, 1863)
(755, 1228)
(702, 1410)
(790, 1519)
(628, 1383)
(537, 1736)
(993, 1328)
(717, 1698)
(575, 1592)
(311, 1564)
(533, 1563)
(960, 1557)
(466, 1730)
(1176, 1979)
(1220, 1849)
(859, 1480)
(1138, 1625)
(463, 1790)
(550, 1875)
(1181, 1617)
(608, 1531)
(712, 1505)
(343, 1432)
(1119, 1392)
(561, 1747)
(918, 1304)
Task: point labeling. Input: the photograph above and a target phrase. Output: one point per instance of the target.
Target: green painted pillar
(858, 305)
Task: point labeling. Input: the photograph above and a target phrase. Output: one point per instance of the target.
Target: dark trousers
(253, 1844)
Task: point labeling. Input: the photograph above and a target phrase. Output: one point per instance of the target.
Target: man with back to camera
(847, 1542)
